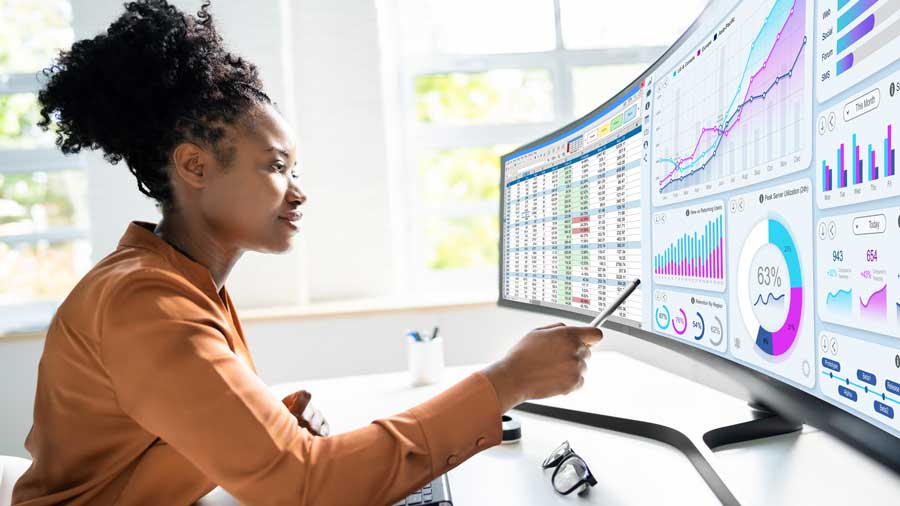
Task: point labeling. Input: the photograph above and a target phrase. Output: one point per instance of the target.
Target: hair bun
(156, 77)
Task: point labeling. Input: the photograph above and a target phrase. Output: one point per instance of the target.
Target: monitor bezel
(787, 400)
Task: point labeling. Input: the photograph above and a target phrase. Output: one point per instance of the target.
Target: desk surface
(806, 468)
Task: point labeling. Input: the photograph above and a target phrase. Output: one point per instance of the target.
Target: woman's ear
(191, 164)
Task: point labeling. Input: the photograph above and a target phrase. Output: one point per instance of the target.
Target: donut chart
(695, 318)
(680, 320)
(663, 320)
(763, 292)
(701, 326)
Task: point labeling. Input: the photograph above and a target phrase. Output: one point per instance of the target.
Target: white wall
(340, 123)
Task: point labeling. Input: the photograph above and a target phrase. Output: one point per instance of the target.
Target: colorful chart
(864, 169)
(840, 301)
(875, 306)
(697, 319)
(770, 232)
(774, 305)
(689, 246)
(858, 278)
(856, 39)
(738, 110)
(856, 149)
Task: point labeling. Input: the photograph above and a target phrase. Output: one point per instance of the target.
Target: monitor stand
(657, 432)
(766, 423)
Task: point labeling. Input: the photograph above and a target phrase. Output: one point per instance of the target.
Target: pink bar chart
(689, 247)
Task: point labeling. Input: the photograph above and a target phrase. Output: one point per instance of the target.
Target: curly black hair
(156, 78)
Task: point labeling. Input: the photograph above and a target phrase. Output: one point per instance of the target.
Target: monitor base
(657, 432)
(765, 423)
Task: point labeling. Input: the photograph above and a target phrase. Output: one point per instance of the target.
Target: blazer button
(481, 443)
(452, 460)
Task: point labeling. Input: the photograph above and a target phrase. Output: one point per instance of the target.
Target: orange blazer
(147, 394)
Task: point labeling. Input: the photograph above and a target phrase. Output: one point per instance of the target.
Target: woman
(146, 390)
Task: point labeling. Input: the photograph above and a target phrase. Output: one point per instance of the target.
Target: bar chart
(867, 166)
(689, 247)
(857, 150)
(856, 38)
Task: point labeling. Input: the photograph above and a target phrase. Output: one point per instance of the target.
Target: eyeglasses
(571, 473)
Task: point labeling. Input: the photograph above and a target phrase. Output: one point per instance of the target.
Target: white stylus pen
(602, 317)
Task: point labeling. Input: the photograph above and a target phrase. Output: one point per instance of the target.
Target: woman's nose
(295, 194)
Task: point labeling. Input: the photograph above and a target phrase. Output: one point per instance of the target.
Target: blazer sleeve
(174, 374)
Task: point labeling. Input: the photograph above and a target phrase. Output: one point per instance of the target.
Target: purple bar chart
(861, 37)
(865, 168)
(855, 148)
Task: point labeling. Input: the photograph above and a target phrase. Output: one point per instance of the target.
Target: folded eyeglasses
(571, 473)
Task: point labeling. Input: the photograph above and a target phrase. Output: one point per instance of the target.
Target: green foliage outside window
(493, 97)
(453, 179)
(33, 201)
(469, 241)
(32, 32)
(19, 114)
(455, 176)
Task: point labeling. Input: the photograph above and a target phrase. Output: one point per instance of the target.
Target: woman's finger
(584, 352)
(551, 326)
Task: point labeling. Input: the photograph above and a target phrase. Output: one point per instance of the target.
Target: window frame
(35, 313)
(417, 137)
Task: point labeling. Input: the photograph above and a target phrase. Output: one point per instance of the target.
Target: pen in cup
(416, 336)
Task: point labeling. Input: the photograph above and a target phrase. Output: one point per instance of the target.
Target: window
(477, 79)
(43, 216)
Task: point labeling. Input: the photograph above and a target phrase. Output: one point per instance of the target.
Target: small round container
(425, 360)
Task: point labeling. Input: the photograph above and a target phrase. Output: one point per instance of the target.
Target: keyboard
(436, 493)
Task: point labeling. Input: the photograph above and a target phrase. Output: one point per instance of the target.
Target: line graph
(840, 301)
(857, 279)
(681, 166)
(875, 306)
(712, 140)
(771, 298)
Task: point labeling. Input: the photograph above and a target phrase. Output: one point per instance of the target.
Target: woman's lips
(292, 219)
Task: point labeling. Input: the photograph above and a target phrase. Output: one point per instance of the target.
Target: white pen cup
(425, 360)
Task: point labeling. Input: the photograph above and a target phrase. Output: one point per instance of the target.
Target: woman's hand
(548, 361)
(307, 416)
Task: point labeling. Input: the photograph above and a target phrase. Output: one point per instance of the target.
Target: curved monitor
(748, 178)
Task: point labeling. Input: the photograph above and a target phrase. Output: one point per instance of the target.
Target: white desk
(806, 468)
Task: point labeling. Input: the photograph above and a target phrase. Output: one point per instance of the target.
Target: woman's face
(252, 203)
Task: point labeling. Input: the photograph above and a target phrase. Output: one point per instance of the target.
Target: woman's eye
(278, 167)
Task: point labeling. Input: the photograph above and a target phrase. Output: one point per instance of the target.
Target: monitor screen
(748, 178)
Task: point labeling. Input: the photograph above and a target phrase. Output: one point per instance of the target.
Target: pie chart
(770, 287)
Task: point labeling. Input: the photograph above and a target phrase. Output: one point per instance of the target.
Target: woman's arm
(174, 374)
